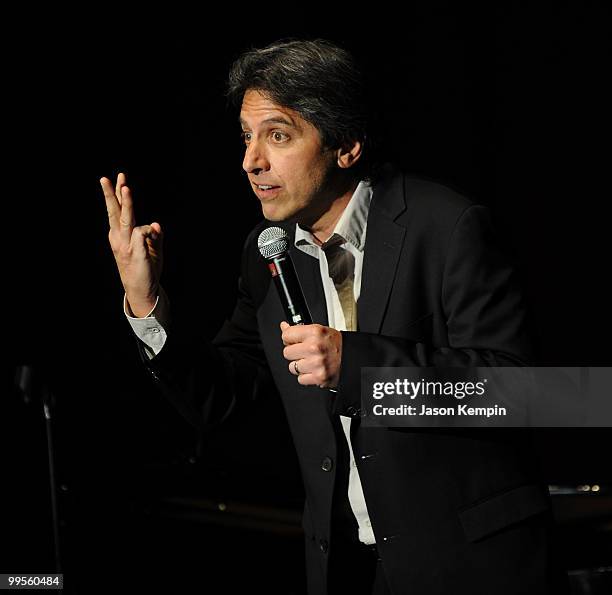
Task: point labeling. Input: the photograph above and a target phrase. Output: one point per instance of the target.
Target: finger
(295, 334)
(299, 366)
(155, 242)
(121, 181)
(307, 380)
(295, 351)
(127, 220)
(140, 236)
(112, 205)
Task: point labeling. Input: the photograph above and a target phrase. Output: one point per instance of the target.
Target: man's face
(285, 151)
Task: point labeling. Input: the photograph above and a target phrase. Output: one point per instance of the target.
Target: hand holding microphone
(314, 351)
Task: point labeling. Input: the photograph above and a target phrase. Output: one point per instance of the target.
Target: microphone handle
(289, 289)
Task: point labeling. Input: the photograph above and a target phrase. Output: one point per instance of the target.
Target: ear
(349, 154)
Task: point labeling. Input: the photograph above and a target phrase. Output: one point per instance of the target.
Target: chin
(278, 216)
(273, 217)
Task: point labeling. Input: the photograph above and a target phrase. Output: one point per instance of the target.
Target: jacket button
(352, 411)
(327, 464)
(323, 545)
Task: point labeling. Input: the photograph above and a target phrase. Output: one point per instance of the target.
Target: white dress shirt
(351, 227)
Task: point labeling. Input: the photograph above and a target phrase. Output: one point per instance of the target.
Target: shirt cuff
(151, 329)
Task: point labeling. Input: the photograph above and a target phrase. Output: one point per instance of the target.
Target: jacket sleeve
(207, 381)
(484, 310)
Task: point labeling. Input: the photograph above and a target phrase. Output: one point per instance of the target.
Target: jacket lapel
(309, 275)
(383, 246)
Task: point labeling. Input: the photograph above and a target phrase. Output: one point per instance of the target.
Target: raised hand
(137, 249)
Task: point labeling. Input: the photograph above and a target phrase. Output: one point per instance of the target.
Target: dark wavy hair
(320, 81)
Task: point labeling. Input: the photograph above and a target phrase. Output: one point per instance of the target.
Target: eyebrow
(273, 120)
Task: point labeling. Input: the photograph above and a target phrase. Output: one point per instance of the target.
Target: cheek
(301, 174)
(293, 179)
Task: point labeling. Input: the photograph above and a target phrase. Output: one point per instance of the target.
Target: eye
(279, 136)
(246, 137)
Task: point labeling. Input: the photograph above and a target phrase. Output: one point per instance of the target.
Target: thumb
(156, 231)
(283, 327)
(145, 238)
(156, 239)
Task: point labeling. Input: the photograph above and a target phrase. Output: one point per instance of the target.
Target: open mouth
(266, 190)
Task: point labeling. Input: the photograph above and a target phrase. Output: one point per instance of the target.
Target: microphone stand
(32, 389)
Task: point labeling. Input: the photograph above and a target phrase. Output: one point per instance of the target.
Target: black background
(507, 105)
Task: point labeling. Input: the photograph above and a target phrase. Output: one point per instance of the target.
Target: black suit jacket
(451, 510)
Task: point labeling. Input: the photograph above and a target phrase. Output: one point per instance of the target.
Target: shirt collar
(351, 226)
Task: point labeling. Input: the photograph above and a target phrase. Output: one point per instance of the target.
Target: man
(396, 272)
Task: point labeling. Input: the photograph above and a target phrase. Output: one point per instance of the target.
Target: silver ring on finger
(295, 368)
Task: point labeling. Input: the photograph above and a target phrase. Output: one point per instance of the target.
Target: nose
(255, 159)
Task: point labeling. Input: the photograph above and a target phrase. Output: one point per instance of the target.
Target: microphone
(273, 243)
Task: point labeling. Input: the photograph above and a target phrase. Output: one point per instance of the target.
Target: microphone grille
(273, 241)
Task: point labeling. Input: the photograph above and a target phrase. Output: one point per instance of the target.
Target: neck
(324, 226)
